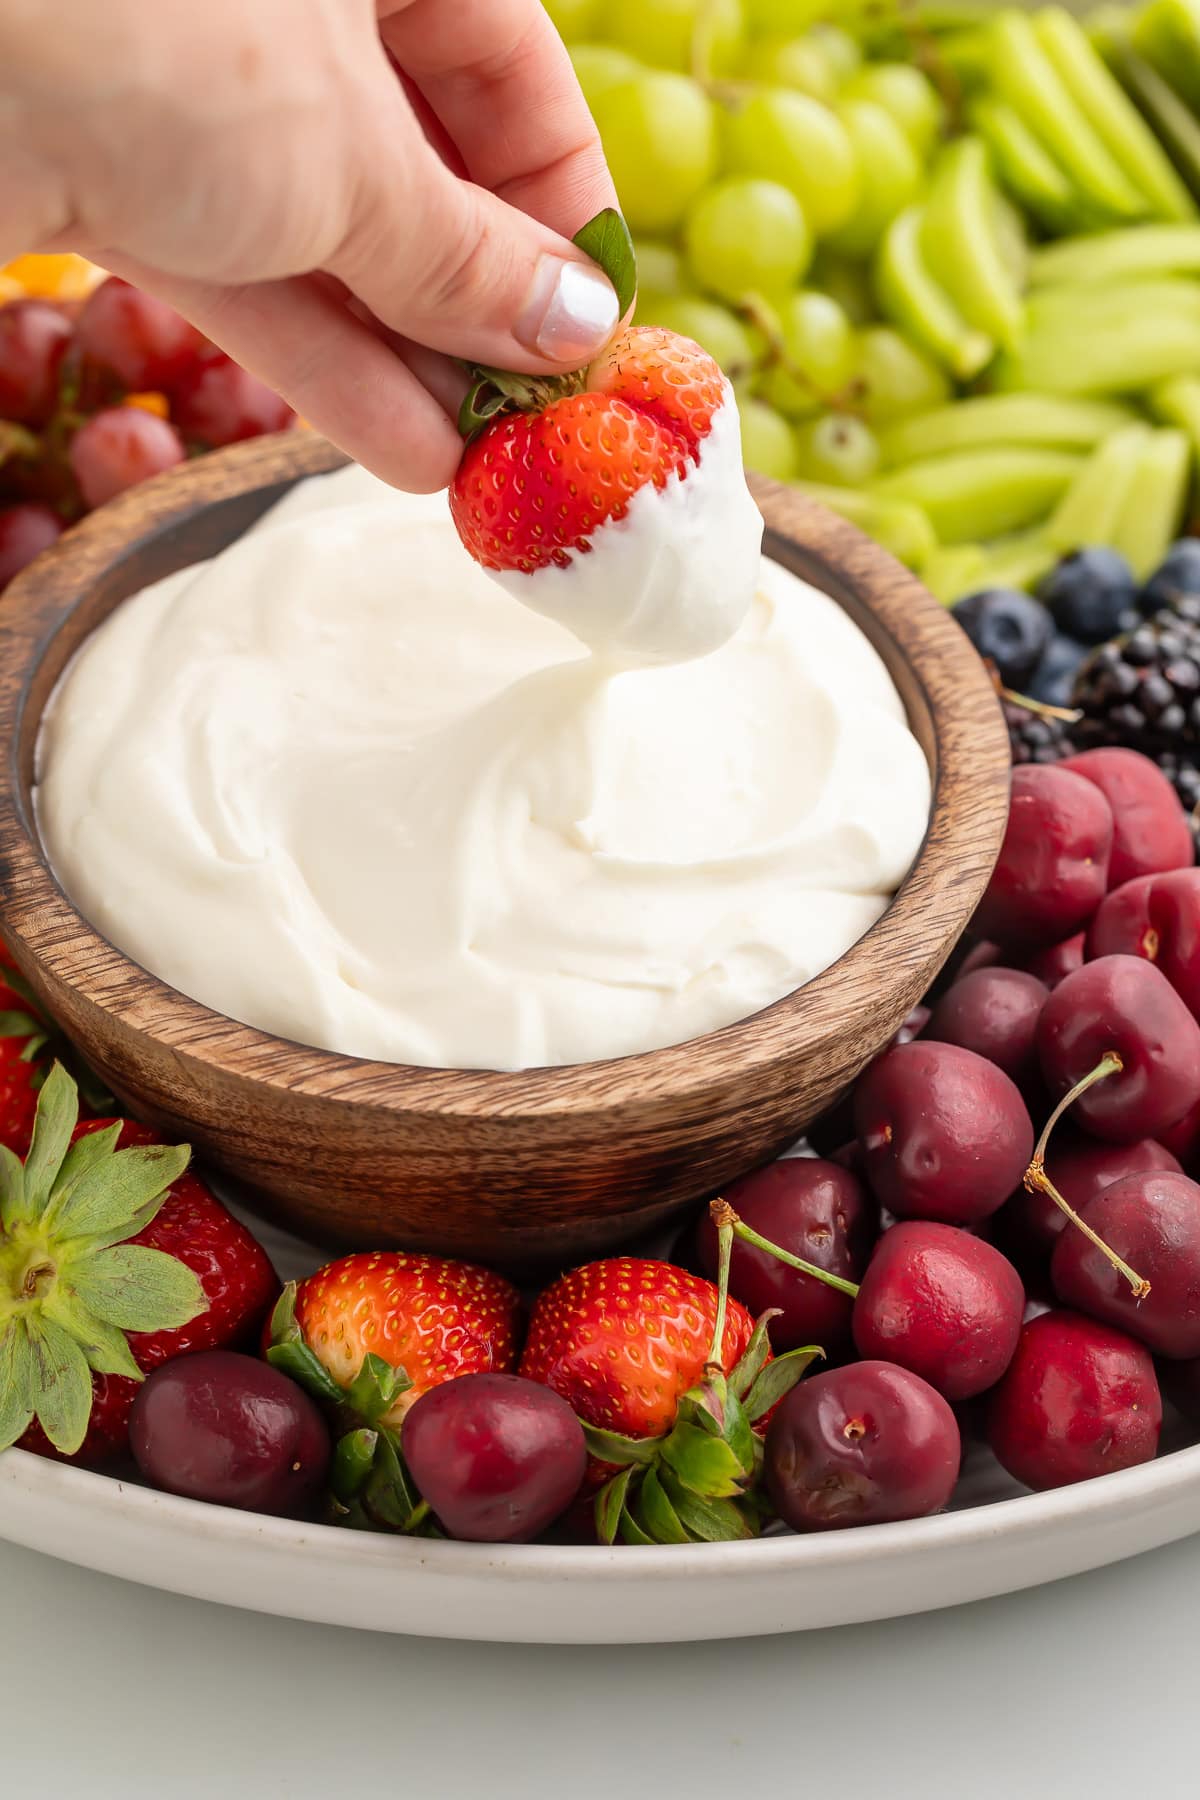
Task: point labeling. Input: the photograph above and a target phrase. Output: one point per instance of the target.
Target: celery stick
(978, 494)
(1155, 503)
(1116, 122)
(953, 572)
(961, 245)
(899, 526)
(1137, 251)
(912, 297)
(1044, 421)
(1109, 356)
(1089, 510)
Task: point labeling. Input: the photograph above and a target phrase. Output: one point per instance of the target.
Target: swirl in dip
(340, 784)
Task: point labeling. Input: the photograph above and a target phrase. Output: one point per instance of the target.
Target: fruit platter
(583, 796)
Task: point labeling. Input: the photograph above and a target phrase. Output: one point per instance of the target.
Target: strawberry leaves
(71, 1285)
(607, 240)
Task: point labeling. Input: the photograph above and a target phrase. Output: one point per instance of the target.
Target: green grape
(846, 280)
(798, 63)
(738, 347)
(599, 67)
(767, 441)
(794, 139)
(836, 449)
(913, 298)
(818, 355)
(747, 236)
(1154, 506)
(660, 134)
(1113, 117)
(897, 379)
(1089, 510)
(979, 494)
(888, 170)
(908, 95)
(678, 34)
(1043, 420)
(840, 50)
(660, 268)
(575, 19)
(962, 246)
(783, 15)
(900, 528)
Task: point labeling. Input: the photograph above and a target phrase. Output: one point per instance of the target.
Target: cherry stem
(723, 1214)
(1038, 1182)
(1042, 709)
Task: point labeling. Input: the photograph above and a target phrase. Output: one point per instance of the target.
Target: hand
(342, 195)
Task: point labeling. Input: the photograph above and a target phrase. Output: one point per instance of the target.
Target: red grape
(218, 402)
(144, 342)
(33, 341)
(121, 446)
(25, 531)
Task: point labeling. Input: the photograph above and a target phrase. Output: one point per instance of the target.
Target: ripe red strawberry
(235, 1284)
(536, 482)
(21, 1077)
(624, 1340)
(431, 1318)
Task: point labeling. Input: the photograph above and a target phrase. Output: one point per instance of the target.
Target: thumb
(457, 269)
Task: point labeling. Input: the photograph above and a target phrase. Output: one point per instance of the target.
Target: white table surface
(1085, 1688)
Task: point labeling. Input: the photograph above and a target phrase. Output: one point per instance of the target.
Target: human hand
(342, 195)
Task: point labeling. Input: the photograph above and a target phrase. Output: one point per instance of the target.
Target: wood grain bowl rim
(968, 813)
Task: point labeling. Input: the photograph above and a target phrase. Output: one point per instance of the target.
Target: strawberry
(210, 1282)
(368, 1335)
(21, 1076)
(667, 1375)
(535, 483)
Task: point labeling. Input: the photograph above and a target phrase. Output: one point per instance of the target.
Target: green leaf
(118, 1190)
(19, 1024)
(375, 1389)
(389, 1497)
(13, 1208)
(779, 1378)
(283, 1318)
(16, 444)
(655, 1513)
(85, 1152)
(704, 1464)
(57, 1113)
(295, 1358)
(137, 1288)
(63, 1385)
(739, 1436)
(104, 1346)
(610, 1503)
(353, 1460)
(611, 1447)
(606, 239)
(755, 1355)
(631, 1532)
(17, 1369)
(713, 1521)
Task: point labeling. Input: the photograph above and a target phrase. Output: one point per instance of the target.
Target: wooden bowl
(523, 1170)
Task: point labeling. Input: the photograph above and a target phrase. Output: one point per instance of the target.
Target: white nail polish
(571, 314)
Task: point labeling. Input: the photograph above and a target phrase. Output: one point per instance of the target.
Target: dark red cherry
(945, 1134)
(942, 1303)
(1157, 918)
(1150, 828)
(994, 1012)
(1123, 1005)
(1152, 1221)
(1080, 1168)
(1079, 1400)
(1060, 960)
(1052, 872)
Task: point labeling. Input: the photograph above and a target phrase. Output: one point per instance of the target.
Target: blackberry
(1034, 737)
(1143, 690)
(1184, 777)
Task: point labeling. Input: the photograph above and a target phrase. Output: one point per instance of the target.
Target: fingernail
(571, 312)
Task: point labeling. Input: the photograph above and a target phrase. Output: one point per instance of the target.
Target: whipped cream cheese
(338, 784)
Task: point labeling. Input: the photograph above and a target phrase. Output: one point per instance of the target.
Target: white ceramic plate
(997, 1540)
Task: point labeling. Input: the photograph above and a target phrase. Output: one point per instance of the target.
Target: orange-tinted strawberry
(535, 483)
(432, 1318)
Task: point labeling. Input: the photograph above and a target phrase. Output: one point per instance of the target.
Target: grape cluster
(948, 255)
(100, 392)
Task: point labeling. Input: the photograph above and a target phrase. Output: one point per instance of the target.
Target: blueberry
(1009, 628)
(1054, 677)
(1177, 576)
(1089, 593)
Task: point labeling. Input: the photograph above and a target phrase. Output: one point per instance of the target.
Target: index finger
(497, 76)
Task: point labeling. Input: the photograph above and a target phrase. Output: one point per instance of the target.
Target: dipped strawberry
(613, 499)
(112, 1261)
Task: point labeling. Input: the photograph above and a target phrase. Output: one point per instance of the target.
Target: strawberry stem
(1038, 1182)
(749, 1236)
(724, 1256)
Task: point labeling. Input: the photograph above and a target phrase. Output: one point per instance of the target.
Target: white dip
(337, 784)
